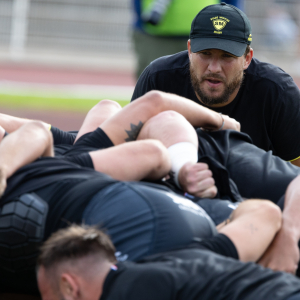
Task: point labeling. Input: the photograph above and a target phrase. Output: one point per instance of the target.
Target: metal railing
(84, 28)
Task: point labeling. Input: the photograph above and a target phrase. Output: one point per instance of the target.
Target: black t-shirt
(65, 186)
(267, 105)
(195, 274)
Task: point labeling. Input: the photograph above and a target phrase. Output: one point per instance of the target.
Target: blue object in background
(238, 3)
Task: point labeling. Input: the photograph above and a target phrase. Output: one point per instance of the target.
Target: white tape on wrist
(180, 154)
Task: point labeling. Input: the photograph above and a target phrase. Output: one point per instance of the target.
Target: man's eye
(204, 53)
(228, 56)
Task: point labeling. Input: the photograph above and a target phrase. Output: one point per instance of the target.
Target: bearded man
(218, 71)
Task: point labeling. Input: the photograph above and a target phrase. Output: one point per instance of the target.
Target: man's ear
(248, 59)
(189, 48)
(69, 287)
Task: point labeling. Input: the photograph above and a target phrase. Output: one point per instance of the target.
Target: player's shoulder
(170, 63)
(269, 73)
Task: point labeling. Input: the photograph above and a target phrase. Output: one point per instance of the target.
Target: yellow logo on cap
(250, 38)
(219, 22)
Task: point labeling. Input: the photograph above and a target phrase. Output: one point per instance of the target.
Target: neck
(104, 269)
(92, 278)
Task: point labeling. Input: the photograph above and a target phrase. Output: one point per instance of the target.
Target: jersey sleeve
(285, 123)
(62, 137)
(144, 84)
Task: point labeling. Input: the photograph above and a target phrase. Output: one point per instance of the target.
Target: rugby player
(256, 173)
(51, 192)
(79, 263)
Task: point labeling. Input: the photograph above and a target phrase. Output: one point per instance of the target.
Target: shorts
(218, 210)
(142, 220)
(90, 141)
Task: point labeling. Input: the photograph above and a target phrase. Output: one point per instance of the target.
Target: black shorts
(257, 173)
(91, 141)
(142, 220)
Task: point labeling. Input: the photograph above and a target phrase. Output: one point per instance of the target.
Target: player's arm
(21, 147)
(134, 161)
(141, 110)
(252, 227)
(283, 254)
(11, 124)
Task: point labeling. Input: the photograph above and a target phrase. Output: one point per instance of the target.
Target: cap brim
(233, 47)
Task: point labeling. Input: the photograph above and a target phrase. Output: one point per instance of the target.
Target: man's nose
(214, 65)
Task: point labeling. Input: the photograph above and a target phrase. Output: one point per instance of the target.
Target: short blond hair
(75, 242)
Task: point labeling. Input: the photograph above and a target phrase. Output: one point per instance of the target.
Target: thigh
(143, 220)
(102, 111)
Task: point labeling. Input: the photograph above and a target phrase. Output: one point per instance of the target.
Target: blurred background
(60, 57)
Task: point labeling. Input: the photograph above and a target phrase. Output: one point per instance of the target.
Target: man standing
(218, 71)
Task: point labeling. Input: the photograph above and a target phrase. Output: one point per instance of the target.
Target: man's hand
(229, 123)
(197, 180)
(282, 254)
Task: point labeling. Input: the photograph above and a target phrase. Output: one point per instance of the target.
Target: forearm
(11, 124)
(252, 228)
(291, 211)
(283, 253)
(197, 115)
(24, 146)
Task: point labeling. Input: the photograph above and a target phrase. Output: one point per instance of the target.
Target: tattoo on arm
(134, 132)
(252, 228)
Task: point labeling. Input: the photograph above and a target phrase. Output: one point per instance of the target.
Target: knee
(264, 209)
(106, 104)
(38, 127)
(271, 212)
(110, 103)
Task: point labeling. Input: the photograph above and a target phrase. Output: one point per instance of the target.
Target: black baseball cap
(221, 26)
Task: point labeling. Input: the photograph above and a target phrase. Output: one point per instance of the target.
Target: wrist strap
(223, 122)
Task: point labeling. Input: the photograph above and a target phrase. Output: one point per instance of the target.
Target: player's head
(223, 27)
(74, 261)
(219, 52)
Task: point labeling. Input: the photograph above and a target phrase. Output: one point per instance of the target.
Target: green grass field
(46, 103)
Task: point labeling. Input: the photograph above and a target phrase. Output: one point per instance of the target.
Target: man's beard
(228, 91)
